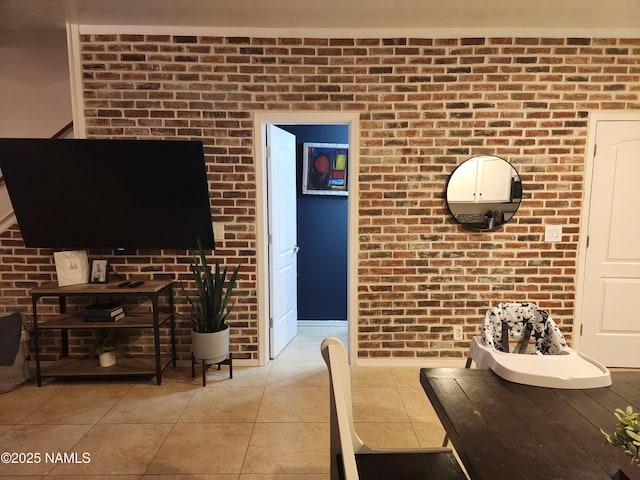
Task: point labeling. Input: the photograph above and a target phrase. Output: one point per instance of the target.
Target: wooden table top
(148, 287)
(503, 430)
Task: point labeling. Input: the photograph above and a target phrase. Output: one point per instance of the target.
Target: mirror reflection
(484, 192)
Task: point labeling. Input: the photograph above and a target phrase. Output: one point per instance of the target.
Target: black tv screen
(120, 194)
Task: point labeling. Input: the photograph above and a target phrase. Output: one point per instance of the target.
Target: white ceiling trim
(258, 32)
(370, 18)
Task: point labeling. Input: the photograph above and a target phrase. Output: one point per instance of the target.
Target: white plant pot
(107, 359)
(631, 470)
(210, 347)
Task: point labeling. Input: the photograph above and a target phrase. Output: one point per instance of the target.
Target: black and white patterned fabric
(544, 333)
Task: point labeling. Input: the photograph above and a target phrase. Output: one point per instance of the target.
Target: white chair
(352, 459)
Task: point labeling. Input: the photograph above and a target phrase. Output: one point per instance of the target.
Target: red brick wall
(425, 105)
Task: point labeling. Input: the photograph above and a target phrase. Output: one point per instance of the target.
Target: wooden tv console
(137, 364)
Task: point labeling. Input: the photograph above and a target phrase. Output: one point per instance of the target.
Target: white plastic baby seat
(531, 328)
(540, 355)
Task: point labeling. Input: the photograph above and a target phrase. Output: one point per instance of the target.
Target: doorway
(321, 232)
(265, 279)
(607, 322)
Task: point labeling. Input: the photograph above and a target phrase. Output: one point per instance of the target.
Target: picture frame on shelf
(72, 267)
(324, 169)
(99, 271)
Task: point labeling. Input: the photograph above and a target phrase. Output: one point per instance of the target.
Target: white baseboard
(322, 323)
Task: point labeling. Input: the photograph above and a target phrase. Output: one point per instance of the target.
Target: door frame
(594, 118)
(260, 122)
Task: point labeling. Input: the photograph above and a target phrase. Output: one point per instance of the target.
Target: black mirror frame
(493, 218)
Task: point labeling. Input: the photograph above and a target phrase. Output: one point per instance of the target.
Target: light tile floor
(268, 423)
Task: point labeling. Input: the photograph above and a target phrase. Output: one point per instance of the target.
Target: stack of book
(103, 312)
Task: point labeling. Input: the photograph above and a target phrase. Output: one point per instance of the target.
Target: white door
(283, 249)
(611, 283)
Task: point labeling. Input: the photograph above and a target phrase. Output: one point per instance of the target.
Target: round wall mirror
(484, 192)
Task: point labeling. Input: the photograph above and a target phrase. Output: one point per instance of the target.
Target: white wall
(35, 97)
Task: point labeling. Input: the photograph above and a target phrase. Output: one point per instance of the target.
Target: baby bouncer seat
(521, 343)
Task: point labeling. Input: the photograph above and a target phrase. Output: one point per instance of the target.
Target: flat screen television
(116, 194)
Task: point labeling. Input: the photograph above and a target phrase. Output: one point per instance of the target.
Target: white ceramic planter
(107, 359)
(631, 470)
(210, 347)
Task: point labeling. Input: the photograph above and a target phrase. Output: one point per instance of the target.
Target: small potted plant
(109, 344)
(209, 307)
(627, 437)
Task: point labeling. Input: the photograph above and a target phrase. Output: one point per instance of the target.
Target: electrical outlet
(553, 233)
(457, 332)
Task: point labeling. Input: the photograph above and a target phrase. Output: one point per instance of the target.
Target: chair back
(344, 439)
(388, 464)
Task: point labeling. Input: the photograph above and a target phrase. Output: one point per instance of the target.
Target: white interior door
(611, 285)
(283, 249)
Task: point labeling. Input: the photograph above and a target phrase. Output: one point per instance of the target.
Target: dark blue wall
(322, 236)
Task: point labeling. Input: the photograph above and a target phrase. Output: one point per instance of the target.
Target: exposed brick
(133, 57)
(425, 104)
(185, 39)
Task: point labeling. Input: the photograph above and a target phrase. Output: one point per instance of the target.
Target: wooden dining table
(504, 430)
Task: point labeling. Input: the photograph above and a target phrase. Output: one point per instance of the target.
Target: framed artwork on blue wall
(324, 169)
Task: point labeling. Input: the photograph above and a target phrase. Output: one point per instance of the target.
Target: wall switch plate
(218, 231)
(457, 332)
(553, 233)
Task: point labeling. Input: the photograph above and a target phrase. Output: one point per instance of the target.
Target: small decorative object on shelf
(99, 271)
(103, 312)
(627, 437)
(72, 267)
(109, 345)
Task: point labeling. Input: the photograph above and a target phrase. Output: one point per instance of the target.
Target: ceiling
(573, 16)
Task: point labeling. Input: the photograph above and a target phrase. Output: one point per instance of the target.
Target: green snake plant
(209, 306)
